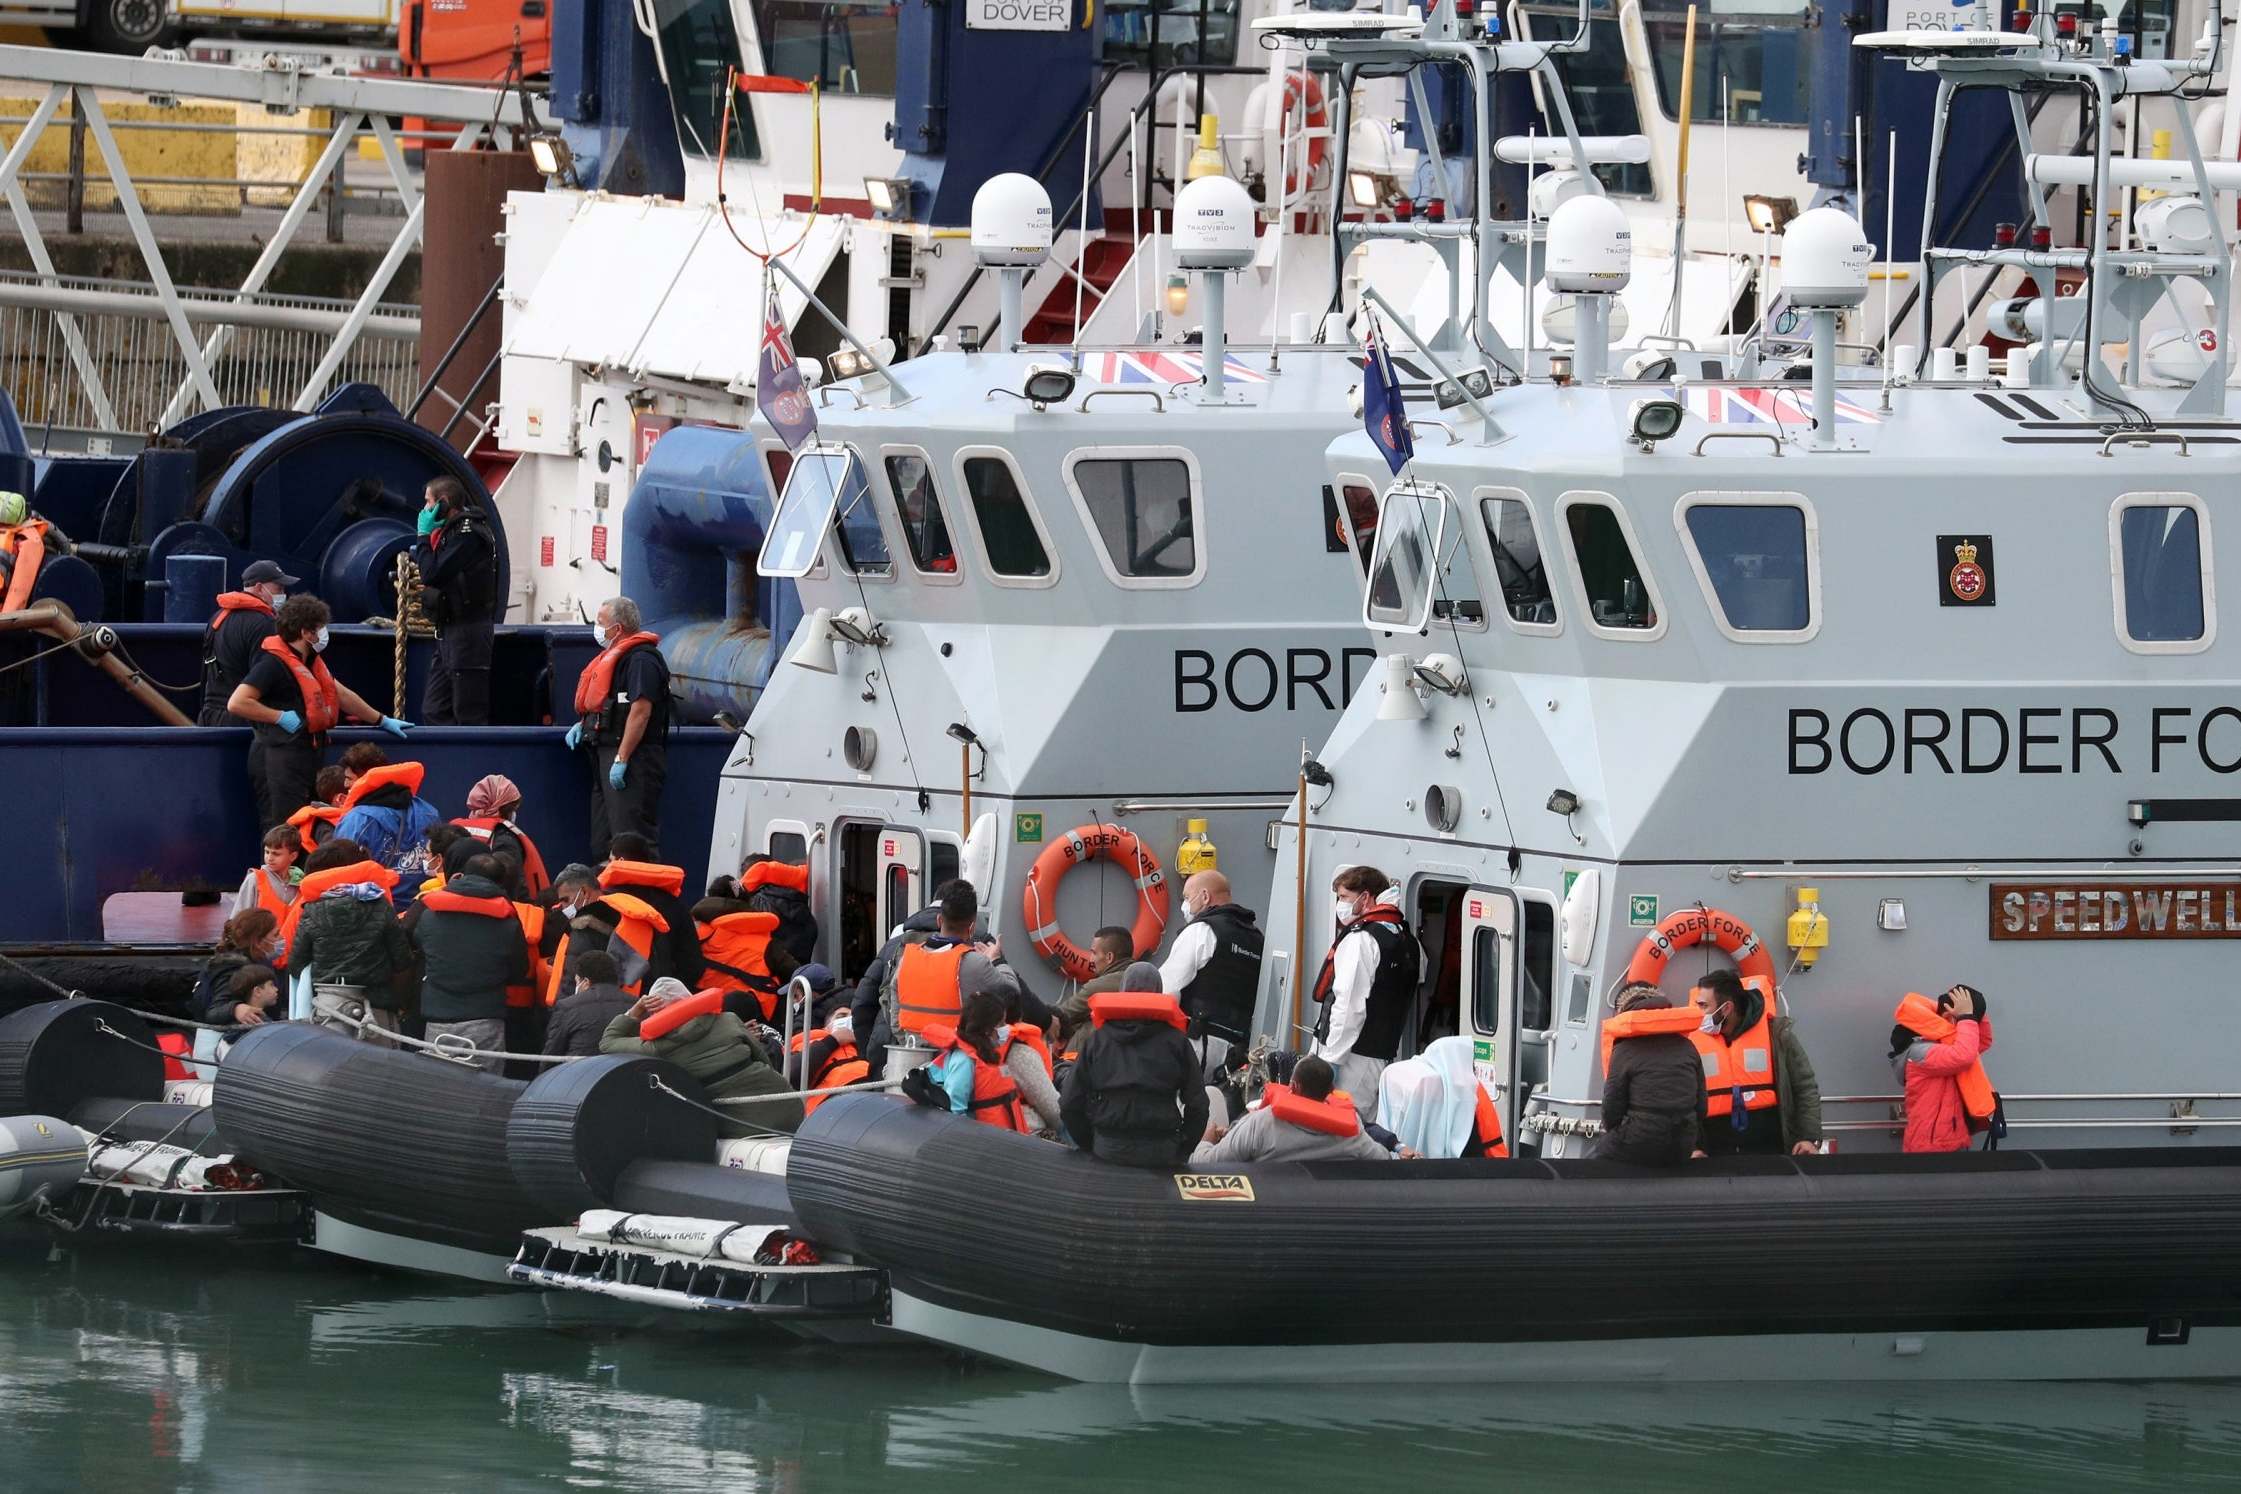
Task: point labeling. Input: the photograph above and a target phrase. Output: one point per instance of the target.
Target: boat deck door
(1508, 955)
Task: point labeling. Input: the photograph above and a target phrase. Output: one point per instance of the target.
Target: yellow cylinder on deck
(1196, 853)
(1808, 927)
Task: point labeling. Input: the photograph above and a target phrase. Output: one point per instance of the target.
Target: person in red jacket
(1939, 1071)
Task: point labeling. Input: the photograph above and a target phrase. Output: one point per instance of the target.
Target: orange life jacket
(27, 542)
(678, 1013)
(1647, 1021)
(597, 681)
(843, 1065)
(269, 899)
(322, 703)
(558, 970)
(388, 774)
(1920, 1016)
(640, 922)
(995, 1100)
(177, 1049)
(446, 901)
(230, 602)
(1743, 1067)
(1334, 1115)
(669, 879)
(774, 874)
(319, 883)
(1138, 1006)
(733, 949)
(1486, 1129)
(307, 821)
(532, 916)
(926, 987)
(533, 877)
(1027, 1036)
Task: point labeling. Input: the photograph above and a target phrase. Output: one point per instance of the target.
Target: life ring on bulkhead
(1691, 927)
(1082, 844)
(1307, 101)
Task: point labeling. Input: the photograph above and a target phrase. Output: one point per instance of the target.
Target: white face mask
(319, 642)
(1713, 1020)
(1343, 906)
(599, 634)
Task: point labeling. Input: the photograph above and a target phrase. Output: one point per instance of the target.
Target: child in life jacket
(272, 886)
(1936, 1051)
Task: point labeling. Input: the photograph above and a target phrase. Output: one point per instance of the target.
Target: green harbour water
(130, 1370)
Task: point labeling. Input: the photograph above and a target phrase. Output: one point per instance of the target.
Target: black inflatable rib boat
(2006, 1265)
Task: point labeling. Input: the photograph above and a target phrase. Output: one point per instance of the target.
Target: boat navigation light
(1178, 294)
(1400, 702)
(1768, 214)
(1650, 421)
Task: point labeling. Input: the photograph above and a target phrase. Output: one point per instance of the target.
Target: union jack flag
(779, 393)
(1789, 406)
(1165, 367)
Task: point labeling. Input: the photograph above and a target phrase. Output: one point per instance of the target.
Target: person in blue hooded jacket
(384, 813)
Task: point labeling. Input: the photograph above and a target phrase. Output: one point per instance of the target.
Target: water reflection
(116, 1374)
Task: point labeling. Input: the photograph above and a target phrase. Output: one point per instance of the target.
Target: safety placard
(544, 550)
(599, 543)
(1641, 910)
(1019, 15)
(1027, 829)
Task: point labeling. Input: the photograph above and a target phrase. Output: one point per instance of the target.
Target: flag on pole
(1384, 415)
(779, 392)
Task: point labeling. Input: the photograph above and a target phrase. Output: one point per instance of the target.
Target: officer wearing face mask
(1367, 985)
(622, 706)
(229, 645)
(458, 560)
(293, 702)
(1759, 1090)
(1214, 965)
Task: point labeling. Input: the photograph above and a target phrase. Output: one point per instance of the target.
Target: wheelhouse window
(1409, 527)
(1757, 46)
(1143, 511)
(918, 507)
(843, 46)
(1757, 564)
(863, 544)
(698, 42)
(1166, 33)
(2165, 597)
(1519, 568)
(1600, 87)
(1618, 595)
(824, 484)
(1007, 525)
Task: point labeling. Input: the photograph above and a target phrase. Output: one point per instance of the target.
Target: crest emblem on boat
(1967, 580)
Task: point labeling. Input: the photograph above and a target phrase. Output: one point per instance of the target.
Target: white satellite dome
(1590, 247)
(1011, 221)
(1825, 260)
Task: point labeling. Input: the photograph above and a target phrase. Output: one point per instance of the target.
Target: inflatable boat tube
(1100, 1271)
(705, 1190)
(55, 1056)
(189, 1126)
(40, 1157)
(409, 1145)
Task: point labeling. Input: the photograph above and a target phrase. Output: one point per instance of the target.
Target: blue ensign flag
(779, 392)
(1384, 416)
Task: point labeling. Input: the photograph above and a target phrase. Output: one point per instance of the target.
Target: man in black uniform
(622, 702)
(458, 561)
(293, 702)
(229, 644)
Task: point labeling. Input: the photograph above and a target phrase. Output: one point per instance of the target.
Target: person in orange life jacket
(1134, 1095)
(623, 709)
(457, 556)
(781, 888)
(932, 978)
(1653, 1085)
(1026, 1044)
(734, 943)
(971, 1068)
(315, 822)
(593, 1001)
(471, 948)
(348, 936)
(1302, 1122)
(23, 549)
(273, 885)
(1214, 966)
(494, 818)
(1367, 985)
(631, 868)
(717, 1049)
(245, 619)
(827, 996)
(1935, 1053)
(251, 938)
(293, 702)
(383, 812)
(574, 927)
(826, 1057)
(1737, 1038)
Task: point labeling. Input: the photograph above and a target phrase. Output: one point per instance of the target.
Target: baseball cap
(261, 571)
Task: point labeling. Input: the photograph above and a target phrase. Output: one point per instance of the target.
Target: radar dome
(1825, 259)
(1590, 247)
(1011, 221)
(1213, 225)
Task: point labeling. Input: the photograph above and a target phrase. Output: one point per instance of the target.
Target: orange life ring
(1691, 927)
(1039, 902)
(1314, 116)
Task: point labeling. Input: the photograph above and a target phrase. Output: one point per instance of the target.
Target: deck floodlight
(1048, 385)
(554, 161)
(1650, 421)
(847, 363)
(1564, 802)
(1768, 214)
(854, 625)
(889, 196)
(1364, 191)
(959, 731)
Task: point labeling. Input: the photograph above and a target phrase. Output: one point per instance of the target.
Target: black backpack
(797, 927)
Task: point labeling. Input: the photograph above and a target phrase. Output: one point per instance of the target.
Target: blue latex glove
(617, 771)
(290, 722)
(575, 737)
(394, 727)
